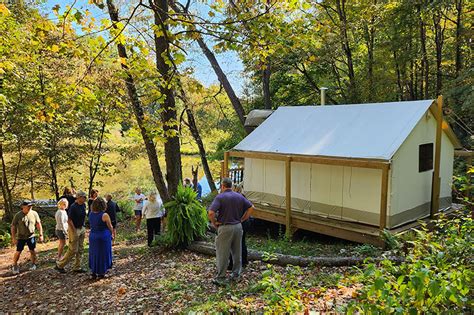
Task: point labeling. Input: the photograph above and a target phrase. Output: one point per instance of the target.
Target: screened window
(425, 157)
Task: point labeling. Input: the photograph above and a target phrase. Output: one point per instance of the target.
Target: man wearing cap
(23, 233)
(232, 209)
(76, 232)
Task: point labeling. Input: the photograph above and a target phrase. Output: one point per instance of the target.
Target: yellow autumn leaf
(4, 9)
(86, 90)
(55, 48)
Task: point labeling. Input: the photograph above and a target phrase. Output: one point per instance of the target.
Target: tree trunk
(239, 110)
(139, 115)
(197, 137)
(459, 31)
(341, 11)
(208, 248)
(412, 84)
(51, 140)
(425, 68)
(234, 100)
(311, 82)
(370, 42)
(266, 85)
(32, 185)
(399, 76)
(6, 192)
(202, 151)
(169, 115)
(54, 175)
(439, 40)
(94, 162)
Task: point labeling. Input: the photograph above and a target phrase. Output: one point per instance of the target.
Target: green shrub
(436, 276)
(49, 227)
(5, 237)
(187, 218)
(126, 207)
(208, 199)
(366, 250)
(282, 292)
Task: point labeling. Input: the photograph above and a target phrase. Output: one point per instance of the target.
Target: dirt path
(142, 280)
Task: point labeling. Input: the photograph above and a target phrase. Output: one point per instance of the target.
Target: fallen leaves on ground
(144, 280)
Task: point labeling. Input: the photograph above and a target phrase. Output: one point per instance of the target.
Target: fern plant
(187, 218)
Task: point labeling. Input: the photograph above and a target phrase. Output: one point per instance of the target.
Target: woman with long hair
(100, 239)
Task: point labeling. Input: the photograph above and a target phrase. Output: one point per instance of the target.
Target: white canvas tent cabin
(349, 171)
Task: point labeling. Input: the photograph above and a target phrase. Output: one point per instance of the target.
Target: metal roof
(370, 131)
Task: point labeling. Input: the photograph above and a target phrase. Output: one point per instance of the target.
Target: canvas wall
(347, 193)
(411, 190)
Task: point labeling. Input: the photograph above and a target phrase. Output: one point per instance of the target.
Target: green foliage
(227, 144)
(281, 292)
(5, 237)
(463, 187)
(187, 218)
(126, 207)
(436, 276)
(304, 247)
(390, 240)
(49, 227)
(207, 200)
(366, 250)
(326, 280)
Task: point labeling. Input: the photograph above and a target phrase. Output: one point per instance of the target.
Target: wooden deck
(346, 230)
(357, 232)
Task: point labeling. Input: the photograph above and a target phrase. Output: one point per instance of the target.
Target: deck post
(222, 171)
(435, 186)
(383, 198)
(226, 164)
(288, 196)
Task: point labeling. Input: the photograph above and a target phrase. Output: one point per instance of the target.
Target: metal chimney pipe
(323, 95)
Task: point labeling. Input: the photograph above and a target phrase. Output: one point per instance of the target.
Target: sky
(229, 61)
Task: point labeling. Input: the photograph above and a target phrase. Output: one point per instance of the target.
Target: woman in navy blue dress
(100, 239)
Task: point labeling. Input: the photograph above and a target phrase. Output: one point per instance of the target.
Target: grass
(307, 244)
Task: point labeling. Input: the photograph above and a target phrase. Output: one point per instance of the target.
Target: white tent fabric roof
(371, 131)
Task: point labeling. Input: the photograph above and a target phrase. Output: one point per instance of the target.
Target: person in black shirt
(92, 196)
(112, 209)
(77, 233)
(67, 193)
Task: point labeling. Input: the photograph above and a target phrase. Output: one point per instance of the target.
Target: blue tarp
(206, 190)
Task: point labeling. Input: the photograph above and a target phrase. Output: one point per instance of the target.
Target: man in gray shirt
(232, 209)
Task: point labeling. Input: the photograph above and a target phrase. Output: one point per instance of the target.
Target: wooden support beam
(222, 175)
(435, 187)
(288, 196)
(383, 198)
(463, 153)
(363, 163)
(226, 164)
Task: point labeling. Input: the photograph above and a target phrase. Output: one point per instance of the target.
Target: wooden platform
(357, 232)
(346, 230)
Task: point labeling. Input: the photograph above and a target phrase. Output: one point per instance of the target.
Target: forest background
(112, 104)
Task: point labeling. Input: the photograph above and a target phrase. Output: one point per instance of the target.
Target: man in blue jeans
(23, 233)
(229, 206)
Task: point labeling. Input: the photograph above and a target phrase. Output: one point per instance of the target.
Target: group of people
(70, 224)
(228, 213)
(102, 221)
